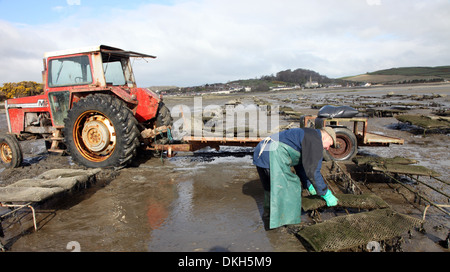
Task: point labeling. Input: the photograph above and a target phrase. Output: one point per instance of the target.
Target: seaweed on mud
(423, 121)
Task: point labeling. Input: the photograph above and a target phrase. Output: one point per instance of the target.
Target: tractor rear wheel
(101, 131)
(10, 152)
(347, 146)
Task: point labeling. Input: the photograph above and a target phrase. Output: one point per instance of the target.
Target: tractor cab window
(117, 70)
(69, 71)
(114, 73)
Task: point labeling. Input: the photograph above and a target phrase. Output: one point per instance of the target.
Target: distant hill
(161, 88)
(404, 75)
(299, 77)
(287, 78)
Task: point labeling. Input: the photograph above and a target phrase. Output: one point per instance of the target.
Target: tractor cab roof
(107, 50)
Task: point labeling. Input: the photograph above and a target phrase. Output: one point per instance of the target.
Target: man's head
(328, 137)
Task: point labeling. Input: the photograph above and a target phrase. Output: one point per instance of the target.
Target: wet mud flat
(212, 200)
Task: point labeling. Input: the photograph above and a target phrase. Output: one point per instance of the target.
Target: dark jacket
(308, 142)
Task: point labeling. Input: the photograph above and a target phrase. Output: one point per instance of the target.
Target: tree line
(290, 78)
(298, 76)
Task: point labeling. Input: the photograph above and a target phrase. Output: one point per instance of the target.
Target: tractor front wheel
(10, 152)
(100, 131)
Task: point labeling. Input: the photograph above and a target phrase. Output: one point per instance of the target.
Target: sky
(210, 41)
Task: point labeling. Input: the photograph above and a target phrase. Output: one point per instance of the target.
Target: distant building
(311, 84)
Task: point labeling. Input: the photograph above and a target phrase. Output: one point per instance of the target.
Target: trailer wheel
(10, 152)
(101, 131)
(347, 146)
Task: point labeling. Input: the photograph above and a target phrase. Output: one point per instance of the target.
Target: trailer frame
(364, 137)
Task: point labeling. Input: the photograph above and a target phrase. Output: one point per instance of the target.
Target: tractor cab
(98, 66)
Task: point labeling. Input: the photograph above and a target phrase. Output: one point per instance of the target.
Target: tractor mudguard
(124, 95)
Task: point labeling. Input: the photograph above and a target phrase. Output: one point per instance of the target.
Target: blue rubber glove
(311, 190)
(330, 199)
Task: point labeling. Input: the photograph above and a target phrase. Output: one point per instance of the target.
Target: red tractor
(91, 108)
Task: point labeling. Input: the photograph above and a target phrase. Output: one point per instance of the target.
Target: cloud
(73, 2)
(209, 41)
(58, 8)
(373, 2)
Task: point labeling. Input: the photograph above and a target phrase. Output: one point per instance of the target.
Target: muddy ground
(212, 200)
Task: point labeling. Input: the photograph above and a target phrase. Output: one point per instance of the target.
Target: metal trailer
(350, 133)
(347, 139)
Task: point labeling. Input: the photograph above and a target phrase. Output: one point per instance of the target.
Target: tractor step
(56, 139)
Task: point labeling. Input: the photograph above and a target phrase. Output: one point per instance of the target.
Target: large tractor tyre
(347, 146)
(101, 131)
(163, 117)
(10, 151)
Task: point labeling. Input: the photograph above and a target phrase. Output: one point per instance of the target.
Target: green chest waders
(285, 186)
